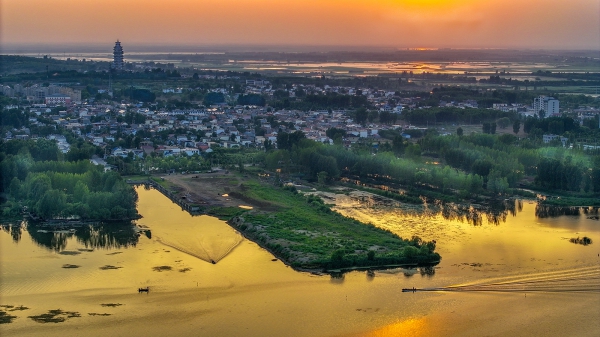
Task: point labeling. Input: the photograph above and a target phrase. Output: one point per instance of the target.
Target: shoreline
(322, 271)
(224, 195)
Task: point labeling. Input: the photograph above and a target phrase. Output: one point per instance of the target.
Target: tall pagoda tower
(118, 56)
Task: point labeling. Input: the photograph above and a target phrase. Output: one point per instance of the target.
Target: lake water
(504, 275)
(478, 69)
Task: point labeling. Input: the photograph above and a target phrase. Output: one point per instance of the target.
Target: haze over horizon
(292, 24)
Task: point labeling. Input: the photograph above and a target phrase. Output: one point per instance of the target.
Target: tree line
(49, 188)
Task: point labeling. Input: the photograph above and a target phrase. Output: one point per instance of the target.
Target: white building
(551, 137)
(550, 105)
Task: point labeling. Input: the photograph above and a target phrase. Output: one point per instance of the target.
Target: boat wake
(573, 280)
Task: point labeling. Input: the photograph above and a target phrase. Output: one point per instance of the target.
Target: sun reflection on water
(409, 327)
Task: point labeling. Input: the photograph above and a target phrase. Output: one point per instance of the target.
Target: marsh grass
(70, 266)
(109, 267)
(225, 212)
(55, 316)
(6, 318)
(581, 241)
(162, 268)
(306, 233)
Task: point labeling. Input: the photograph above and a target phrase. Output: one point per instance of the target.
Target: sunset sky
(549, 24)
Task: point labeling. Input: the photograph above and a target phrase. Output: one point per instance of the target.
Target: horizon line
(28, 47)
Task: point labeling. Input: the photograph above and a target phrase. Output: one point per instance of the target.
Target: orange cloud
(399, 23)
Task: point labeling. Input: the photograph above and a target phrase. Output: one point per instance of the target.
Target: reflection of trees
(590, 210)
(113, 235)
(428, 271)
(495, 211)
(14, 231)
(56, 241)
(408, 272)
(108, 236)
(337, 278)
(545, 211)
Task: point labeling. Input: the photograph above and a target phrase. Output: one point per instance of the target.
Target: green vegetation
(505, 163)
(6, 318)
(304, 232)
(448, 168)
(566, 201)
(581, 241)
(54, 316)
(53, 189)
(454, 115)
(225, 213)
(311, 157)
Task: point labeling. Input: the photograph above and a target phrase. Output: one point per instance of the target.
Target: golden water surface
(520, 276)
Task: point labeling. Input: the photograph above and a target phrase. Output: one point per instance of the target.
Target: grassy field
(305, 233)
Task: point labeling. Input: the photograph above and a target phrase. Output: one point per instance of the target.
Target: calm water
(525, 263)
(521, 70)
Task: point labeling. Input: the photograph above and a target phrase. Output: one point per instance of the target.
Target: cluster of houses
(51, 95)
(192, 131)
(171, 132)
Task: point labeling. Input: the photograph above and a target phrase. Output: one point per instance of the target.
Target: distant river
(516, 274)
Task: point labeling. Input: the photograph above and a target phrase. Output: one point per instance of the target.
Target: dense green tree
(251, 99)
(386, 117)
(14, 118)
(413, 151)
(286, 141)
(213, 98)
(595, 176)
(516, 126)
(372, 116)
(503, 122)
(51, 204)
(361, 115)
(496, 183)
(322, 177)
(398, 145)
(482, 167)
(486, 127)
(334, 132)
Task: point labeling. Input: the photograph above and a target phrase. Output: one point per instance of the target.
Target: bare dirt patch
(208, 189)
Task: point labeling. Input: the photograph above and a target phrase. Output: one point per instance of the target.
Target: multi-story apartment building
(549, 105)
